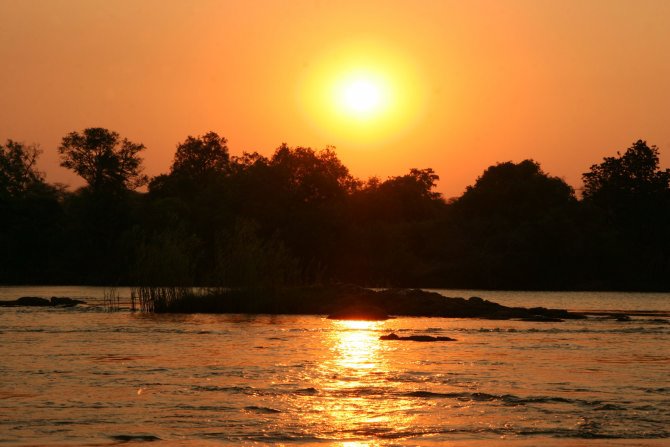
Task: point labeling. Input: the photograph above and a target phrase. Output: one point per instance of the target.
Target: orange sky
(563, 82)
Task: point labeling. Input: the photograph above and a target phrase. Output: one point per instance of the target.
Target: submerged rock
(65, 301)
(135, 438)
(393, 336)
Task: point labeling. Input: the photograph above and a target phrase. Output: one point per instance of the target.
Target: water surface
(85, 376)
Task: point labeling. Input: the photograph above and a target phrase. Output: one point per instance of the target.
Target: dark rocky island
(343, 302)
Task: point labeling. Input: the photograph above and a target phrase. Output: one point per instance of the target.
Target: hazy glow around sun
(362, 93)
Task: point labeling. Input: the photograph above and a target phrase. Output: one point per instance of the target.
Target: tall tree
(18, 170)
(103, 159)
(99, 215)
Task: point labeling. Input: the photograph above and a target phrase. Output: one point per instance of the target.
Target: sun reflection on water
(356, 344)
(361, 402)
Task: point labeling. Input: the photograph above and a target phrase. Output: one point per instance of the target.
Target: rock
(423, 338)
(35, 301)
(65, 301)
(621, 317)
(32, 301)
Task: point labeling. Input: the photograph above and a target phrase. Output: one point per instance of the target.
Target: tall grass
(161, 299)
(110, 299)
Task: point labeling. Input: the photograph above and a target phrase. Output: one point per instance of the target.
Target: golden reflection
(359, 402)
(358, 444)
(357, 344)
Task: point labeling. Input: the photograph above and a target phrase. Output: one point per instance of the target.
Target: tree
(626, 180)
(409, 197)
(18, 170)
(105, 161)
(628, 201)
(31, 220)
(514, 192)
(310, 176)
(515, 227)
(200, 156)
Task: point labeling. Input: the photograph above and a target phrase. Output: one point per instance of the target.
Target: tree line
(299, 217)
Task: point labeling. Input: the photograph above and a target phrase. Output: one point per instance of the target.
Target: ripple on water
(319, 383)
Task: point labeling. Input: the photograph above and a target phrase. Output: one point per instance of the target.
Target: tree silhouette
(514, 228)
(31, 217)
(622, 181)
(311, 176)
(18, 170)
(628, 201)
(200, 156)
(104, 160)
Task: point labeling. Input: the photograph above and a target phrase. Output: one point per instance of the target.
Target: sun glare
(361, 94)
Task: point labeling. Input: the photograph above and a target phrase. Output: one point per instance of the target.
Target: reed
(110, 299)
(161, 299)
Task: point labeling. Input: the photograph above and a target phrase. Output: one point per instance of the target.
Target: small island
(339, 301)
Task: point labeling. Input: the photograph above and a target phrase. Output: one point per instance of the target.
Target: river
(93, 377)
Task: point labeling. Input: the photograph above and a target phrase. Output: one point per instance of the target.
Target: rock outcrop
(35, 301)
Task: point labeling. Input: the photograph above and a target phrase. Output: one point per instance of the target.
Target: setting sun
(361, 93)
(361, 97)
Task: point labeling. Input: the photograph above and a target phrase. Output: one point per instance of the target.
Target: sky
(456, 86)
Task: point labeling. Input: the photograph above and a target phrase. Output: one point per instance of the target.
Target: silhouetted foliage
(30, 217)
(165, 259)
(514, 226)
(104, 160)
(299, 217)
(309, 176)
(628, 178)
(628, 201)
(18, 170)
(201, 156)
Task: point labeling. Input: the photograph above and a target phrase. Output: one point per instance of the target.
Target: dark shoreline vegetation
(298, 219)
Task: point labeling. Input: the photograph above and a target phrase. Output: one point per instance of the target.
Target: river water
(88, 376)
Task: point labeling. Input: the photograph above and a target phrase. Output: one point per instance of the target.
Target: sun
(361, 96)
